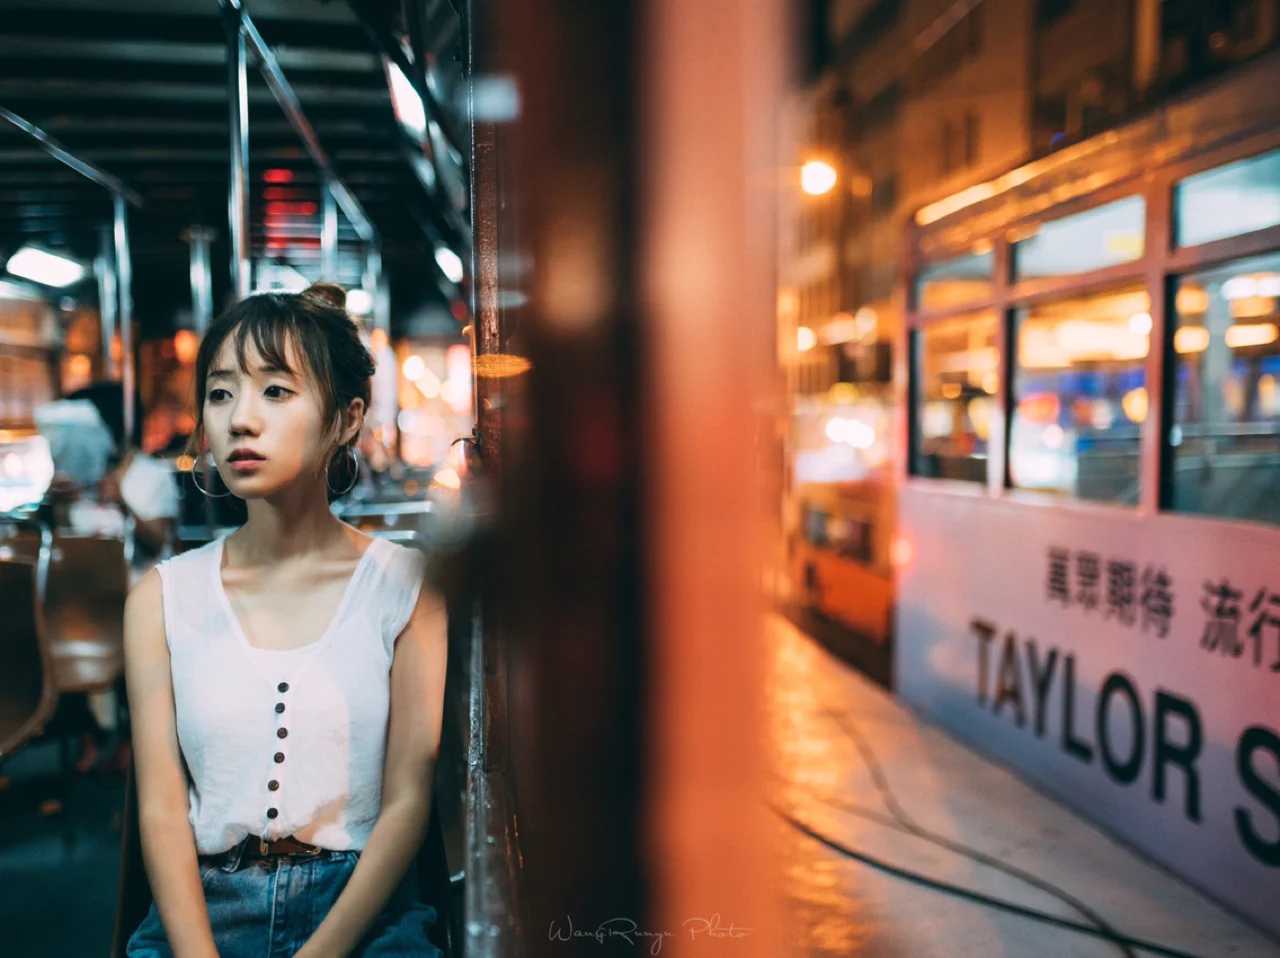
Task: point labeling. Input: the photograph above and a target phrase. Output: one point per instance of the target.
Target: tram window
(1079, 395)
(1225, 434)
(956, 379)
(846, 536)
(1229, 200)
(955, 282)
(1103, 236)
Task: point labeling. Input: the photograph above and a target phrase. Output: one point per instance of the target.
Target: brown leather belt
(255, 846)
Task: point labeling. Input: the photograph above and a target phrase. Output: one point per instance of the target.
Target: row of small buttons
(282, 732)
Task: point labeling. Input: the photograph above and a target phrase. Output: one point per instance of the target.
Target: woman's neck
(295, 522)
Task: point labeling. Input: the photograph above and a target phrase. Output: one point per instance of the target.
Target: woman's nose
(244, 416)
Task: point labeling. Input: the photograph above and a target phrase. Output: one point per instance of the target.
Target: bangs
(272, 331)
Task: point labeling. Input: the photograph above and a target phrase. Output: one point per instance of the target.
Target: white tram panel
(1171, 741)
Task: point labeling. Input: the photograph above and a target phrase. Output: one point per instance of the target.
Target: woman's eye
(280, 392)
(217, 395)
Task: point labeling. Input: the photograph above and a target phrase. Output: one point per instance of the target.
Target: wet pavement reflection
(895, 840)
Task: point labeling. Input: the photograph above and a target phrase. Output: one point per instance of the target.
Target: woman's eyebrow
(273, 370)
(266, 368)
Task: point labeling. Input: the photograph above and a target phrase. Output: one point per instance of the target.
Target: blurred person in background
(133, 485)
(102, 481)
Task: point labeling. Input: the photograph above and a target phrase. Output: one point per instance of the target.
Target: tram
(1088, 479)
(159, 163)
(470, 172)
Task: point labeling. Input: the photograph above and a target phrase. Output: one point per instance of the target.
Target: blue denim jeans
(268, 908)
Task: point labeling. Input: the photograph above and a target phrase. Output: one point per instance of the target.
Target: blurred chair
(84, 614)
(133, 892)
(400, 521)
(28, 695)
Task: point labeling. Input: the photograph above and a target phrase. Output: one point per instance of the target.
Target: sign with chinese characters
(1129, 666)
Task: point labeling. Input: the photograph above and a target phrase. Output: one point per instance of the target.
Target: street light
(817, 177)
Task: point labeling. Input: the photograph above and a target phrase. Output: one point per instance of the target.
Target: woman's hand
(312, 950)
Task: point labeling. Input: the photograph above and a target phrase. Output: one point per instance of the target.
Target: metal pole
(201, 277)
(382, 301)
(371, 282)
(329, 236)
(238, 187)
(124, 284)
(60, 153)
(288, 101)
(104, 270)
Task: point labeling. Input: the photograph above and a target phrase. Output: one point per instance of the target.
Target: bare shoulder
(144, 615)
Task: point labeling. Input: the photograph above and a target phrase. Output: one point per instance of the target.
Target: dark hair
(107, 397)
(317, 322)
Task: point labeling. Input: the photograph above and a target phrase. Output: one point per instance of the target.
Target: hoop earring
(355, 473)
(195, 471)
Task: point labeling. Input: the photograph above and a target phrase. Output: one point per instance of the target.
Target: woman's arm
(168, 845)
(413, 745)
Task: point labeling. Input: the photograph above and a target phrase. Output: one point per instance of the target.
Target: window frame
(1158, 269)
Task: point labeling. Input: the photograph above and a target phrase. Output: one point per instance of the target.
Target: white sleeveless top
(312, 768)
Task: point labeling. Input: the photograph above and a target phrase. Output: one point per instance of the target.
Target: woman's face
(266, 427)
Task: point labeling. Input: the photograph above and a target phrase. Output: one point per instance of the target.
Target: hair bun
(330, 293)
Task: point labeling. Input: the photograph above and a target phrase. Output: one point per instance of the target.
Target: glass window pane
(1237, 198)
(1079, 395)
(1225, 436)
(957, 361)
(1103, 236)
(954, 282)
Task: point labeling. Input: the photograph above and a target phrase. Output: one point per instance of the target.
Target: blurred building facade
(911, 103)
(1063, 220)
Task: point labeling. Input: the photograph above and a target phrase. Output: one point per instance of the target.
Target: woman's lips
(246, 465)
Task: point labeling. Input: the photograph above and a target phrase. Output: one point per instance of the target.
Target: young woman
(287, 680)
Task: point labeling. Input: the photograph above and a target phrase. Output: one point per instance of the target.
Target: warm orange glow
(79, 366)
(1191, 339)
(448, 478)
(1192, 301)
(500, 365)
(414, 368)
(1134, 403)
(186, 344)
(1040, 407)
(378, 339)
(817, 177)
(901, 552)
(1242, 335)
(1014, 178)
(277, 175)
(185, 463)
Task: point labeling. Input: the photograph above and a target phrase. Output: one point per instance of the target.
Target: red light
(278, 176)
(1040, 407)
(291, 209)
(277, 193)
